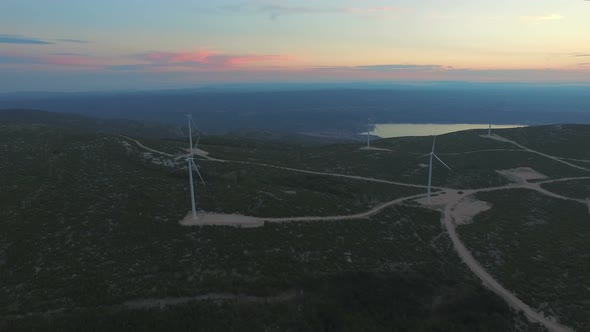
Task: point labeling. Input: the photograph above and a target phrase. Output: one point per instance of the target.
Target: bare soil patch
(467, 208)
(521, 174)
(218, 219)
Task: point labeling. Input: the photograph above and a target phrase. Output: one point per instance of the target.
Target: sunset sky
(71, 45)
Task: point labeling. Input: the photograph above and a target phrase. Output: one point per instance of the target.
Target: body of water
(387, 130)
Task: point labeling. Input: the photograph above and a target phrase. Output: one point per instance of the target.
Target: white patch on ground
(218, 219)
(290, 192)
(521, 174)
(127, 146)
(237, 220)
(438, 200)
(467, 208)
(347, 257)
(198, 152)
(423, 165)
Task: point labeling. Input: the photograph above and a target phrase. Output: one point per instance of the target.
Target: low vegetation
(89, 221)
(577, 189)
(537, 247)
(474, 159)
(569, 141)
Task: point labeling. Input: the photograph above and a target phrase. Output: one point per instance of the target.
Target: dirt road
(487, 279)
(450, 205)
(558, 159)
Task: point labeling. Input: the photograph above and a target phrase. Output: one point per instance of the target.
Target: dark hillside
(87, 124)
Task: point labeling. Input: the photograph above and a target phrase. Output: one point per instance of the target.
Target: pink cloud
(210, 60)
(180, 57)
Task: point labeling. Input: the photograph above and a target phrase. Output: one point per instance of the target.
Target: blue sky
(69, 45)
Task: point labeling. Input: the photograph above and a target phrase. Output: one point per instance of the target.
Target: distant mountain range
(151, 129)
(88, 124)
(326, 110)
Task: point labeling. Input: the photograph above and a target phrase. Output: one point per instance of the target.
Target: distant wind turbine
(491, 117)
(433, 155)
(370, 127)
(191, 164)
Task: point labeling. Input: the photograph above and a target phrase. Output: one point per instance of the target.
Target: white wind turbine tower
(433, 155)
(490, 127)
(191, 164)
(370, 126)
(491, 110)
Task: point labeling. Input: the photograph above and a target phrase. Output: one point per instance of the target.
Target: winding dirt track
(479, 151)
(451, 200)
(488, 280)
(558, 159)
(171, 301)
(215, 297)
(138, 143)
(451, 217)
(574, 159)
(361, 215)
(354, 177)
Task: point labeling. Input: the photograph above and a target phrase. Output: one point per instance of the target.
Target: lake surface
(386, 130)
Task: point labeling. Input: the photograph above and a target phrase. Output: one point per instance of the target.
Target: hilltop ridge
(103, 201)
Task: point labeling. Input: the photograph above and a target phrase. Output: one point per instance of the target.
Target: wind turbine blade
(197, 169)
(433, 142)
(426, 155)
(442, 162)
(192, 123)
(190, 135)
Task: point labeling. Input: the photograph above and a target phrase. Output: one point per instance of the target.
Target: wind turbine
(491, 111)
(370, 126)
(433, 155)
(191, 164)
(490, 127)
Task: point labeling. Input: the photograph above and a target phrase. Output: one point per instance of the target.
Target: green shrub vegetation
(577, 189)
(89, 221)
(474, 166)
(569, 141)
(538, 247)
